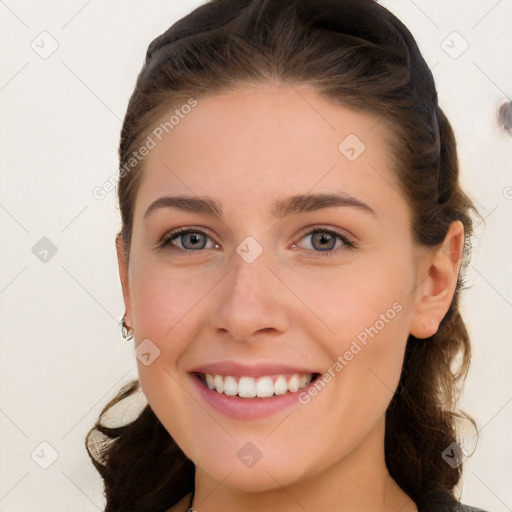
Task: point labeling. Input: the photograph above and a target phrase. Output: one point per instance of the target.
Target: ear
(123, 275)
(439, 280)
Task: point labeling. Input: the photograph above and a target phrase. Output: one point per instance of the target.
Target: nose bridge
(250, 298)
(249, 281)
(250, 274)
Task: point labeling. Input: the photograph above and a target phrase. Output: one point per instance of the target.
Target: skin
(247, 149)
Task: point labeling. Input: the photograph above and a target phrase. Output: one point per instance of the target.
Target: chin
(266, 474)
(253, 479)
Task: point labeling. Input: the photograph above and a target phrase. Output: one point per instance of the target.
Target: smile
(264, 387)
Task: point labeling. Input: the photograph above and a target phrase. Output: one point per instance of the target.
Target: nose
(251, 302)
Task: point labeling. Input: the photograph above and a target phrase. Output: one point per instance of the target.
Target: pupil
(194, 238)
(323, 238)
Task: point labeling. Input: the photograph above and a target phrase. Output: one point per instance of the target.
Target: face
(271, 287)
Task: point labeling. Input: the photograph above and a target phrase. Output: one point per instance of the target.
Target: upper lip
(237, 369)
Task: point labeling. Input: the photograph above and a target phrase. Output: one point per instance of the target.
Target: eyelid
(330, 229)
(166, 242)
(348, 241)
(184, 229)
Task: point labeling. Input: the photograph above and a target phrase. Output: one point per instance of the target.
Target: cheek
(362, 321)
(347, 300)
(163, 315)
(161, 308)
(366, 358)
(164, 299)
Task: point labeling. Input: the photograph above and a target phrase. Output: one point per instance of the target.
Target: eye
(190, 240)
(324, 241)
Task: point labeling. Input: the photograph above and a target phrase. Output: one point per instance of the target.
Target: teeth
(248, 387)
(210, 381)
(219, 383)
(293, 383)
(264, 387)
(230, 386)
(280, 386)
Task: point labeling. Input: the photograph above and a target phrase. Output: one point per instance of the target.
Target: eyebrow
(281, 208)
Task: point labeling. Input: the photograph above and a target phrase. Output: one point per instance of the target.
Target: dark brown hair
(358, 54)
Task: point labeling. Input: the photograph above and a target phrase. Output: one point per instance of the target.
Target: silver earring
(126, 332)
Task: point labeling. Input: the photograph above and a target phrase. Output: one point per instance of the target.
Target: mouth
(266, 386)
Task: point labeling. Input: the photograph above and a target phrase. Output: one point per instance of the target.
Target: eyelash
(348, 244)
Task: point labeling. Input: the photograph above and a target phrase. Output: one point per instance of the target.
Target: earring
(126, 331)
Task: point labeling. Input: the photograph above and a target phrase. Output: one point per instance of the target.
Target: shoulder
(182, 505)
(467, 508)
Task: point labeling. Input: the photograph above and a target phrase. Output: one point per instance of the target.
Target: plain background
(62, 356)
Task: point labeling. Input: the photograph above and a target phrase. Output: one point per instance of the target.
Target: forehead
(259, 142)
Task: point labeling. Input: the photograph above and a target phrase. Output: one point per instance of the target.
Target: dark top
(467, 508)
(185, 502)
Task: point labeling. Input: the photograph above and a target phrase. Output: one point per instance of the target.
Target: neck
(359, 482)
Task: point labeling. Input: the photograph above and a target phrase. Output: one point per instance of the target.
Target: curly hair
(358, 54)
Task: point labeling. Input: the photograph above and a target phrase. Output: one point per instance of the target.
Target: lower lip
(247, 408)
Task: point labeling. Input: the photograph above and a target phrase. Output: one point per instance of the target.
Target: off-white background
(62, 357)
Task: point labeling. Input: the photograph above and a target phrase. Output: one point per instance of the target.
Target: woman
(262, 137)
